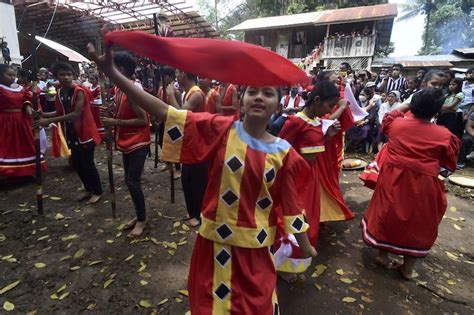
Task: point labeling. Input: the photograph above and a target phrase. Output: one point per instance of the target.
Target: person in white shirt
(292, 103)
(392, 103)
(468, 91)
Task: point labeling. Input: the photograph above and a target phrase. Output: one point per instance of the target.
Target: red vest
(211, 101)
(227, 100)
(287, 101)
(196, 89)
(85, 127)
(128, 139)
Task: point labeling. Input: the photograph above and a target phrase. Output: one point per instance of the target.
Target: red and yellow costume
(211, 101)
(232, 269)
(85, 127)
(409, 200)
(333, 206)
(96, 102)
(202, 106)
(227, 100)
(128, 139)
(306, 135)
(17, 145)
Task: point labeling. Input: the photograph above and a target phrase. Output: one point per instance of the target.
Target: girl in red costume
(17, 146)
(307, 133)
(409, 200)
(96, 103)
(232, 270)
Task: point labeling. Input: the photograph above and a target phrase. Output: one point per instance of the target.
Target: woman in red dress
(306, 132)
(409, 200)
(17, 146)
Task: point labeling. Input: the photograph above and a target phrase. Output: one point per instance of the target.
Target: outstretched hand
(105, 62)
(334, 129)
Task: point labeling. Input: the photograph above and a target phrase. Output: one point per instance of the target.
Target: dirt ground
(75, 259)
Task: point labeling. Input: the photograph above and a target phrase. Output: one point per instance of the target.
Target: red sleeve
(289, 131)
(389, 119)
(346, 119)
(193, 137)
(291, 180)
(450, 153)
(305, 138)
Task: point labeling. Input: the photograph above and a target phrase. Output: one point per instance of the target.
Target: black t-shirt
(66, 98)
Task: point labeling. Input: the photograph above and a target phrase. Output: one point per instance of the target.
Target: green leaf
(9, 287)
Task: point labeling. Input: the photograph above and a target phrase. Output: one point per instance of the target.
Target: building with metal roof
(329, 37)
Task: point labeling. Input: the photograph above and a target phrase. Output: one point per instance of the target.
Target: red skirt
(17, 146)
(225, 279)
(404, 212)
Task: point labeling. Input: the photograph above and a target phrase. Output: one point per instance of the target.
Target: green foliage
(384, 50)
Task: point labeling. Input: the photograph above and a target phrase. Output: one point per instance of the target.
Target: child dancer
(74, 118)
(306, 132)
(409, 200)
(232, 269)
(17, 146)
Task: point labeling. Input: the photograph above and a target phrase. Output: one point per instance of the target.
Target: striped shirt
(399, 84)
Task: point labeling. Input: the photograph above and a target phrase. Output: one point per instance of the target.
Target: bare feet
(164, 167)
(138, 229)
(93, 199)
(407, 270)
(383, 259)
(83, 196)
(177, 175)
(193, 222)
(294, 279)
(130, 224)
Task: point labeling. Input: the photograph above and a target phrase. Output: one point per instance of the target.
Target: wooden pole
(36, 131)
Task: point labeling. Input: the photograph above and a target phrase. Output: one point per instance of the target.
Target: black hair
(347, 65)
(24, 74)
(126, 61)
(168, 71)
(431, 74)
(4, 68)
(458, 82)
(470, 70)
(370, 93)
(399, 65)
(424, 69)
(191, 77)
(58, 66)
(451, 73)
(325, 74)
(324, 89)
(426, 103)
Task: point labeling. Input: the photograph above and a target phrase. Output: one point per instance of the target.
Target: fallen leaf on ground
(145, 303)
(65, 258)
(452, 209)
(142, 266)
(178, 300)
(317, 286)
(163, 302)
(129, 257)
(452, 256)
(107, 283)
(121, 226)
(457, 227)
(64, 295)
(75, 268)
(171, 252)
(43, 237)
(319, 270)
(54, 296)
(55, 198)
(183, 292)
(185, 227)
(62, 288)
(176, 224)
(366, 299)
(356, 290)
(95, 262)
(340, 272)
(40, 265)
(451, 282)
(9, 287)
(348, 299)
(346, 280)
(110, 241)
(8, 306)
(58, 216)
(69, 237)
(2, 238)
(79, 253)
(143, 282)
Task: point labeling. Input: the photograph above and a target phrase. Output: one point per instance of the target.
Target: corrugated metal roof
(382, 11)
(464, 51)
(420, 61)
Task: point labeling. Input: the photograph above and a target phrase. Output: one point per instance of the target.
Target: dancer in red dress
(409, 200)
(17, 145)
(232, 270)
(306, 132)
(229, 100)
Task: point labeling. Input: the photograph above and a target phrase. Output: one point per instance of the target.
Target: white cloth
(386, 108)
(291, 102)
(357, 112)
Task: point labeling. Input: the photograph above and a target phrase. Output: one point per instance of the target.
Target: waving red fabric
(224, 60)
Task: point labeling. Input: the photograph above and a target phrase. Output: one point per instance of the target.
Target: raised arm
(149, 103)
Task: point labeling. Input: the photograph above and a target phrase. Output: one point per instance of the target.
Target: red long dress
(307, 137)
(409, 200)
(333, 206)
(17, 145)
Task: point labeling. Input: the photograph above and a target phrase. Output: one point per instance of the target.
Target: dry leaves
(319, 270)
(348, 299)
(145, 303)
(9, 287)
(8, 306)
(40, 265)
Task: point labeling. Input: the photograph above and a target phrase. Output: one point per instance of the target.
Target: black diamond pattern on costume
(276, 309)
(270, 175)
(262, 236)
(224, 231)
(222, 291)
(223, 257)
(229, 197)
(297, 224)
(264, 203)
(234, 164)
(174, 133)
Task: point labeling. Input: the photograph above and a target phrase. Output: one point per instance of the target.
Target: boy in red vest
(73, 115)
(193, 176)
(132, 138)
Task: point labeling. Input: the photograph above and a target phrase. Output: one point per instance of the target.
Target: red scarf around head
(243, 64)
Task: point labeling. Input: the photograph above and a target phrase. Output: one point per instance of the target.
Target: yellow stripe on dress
(231, 178)
(174, 134)
(330, 209)
(315, 149)
(221, 285)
